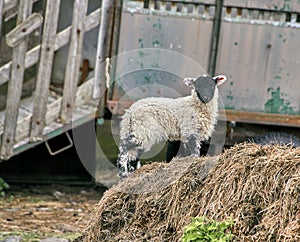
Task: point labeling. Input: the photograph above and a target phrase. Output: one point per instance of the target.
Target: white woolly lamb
(189, 119)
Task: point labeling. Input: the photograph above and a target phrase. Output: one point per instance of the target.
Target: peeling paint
(277, 77)
(277, 104)
(147, 79)
(262, 22)
(158, 24)
(155, 65)
(141, 43)
(142, 54)
(286, 6)
(229, 97)
(229, 107)
(156, 43)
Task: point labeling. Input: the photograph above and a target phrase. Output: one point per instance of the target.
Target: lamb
(189, 120)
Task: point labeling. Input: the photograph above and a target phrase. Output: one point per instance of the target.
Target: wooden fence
(27, 121)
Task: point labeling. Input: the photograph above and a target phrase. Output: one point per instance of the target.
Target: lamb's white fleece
(152, 120)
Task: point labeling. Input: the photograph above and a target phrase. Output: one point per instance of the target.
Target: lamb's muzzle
(189, 120)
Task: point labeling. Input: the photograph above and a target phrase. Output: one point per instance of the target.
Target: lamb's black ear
(205, 88)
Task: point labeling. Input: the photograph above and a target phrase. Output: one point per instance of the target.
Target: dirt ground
(36, 212)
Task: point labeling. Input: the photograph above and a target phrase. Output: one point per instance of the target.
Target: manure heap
(257, 186)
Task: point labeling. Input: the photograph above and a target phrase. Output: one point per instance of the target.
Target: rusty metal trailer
(255, 43)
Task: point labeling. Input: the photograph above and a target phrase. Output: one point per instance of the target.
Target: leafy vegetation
(203, 229)
(3, 186)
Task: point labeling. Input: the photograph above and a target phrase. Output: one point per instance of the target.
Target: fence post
(102, 53)
(1, 14)
(44, 70)
(15, 85)
(213, 53)
(115, 46)
(74, 59)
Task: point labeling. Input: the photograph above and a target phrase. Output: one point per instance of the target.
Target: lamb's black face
(205, 88)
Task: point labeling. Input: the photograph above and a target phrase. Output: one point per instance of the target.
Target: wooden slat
(62, 38)
(44, 70)
(103, 48)
(74, 59)
(83, 97)
(15, 85)
(1, 13)
(15, 36)
(10, 8)
(9, 4)
(102, 52)
(261, 118)
(115, 46)
(83, 106)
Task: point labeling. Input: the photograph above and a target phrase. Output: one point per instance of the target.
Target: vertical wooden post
(102, 53)
(15, 85)
(74, 59)
(215, 38)
(1, 14)
(115, 46)
(44, 70)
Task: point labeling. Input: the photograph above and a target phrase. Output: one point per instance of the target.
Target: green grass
(108, 145)
(35, 236)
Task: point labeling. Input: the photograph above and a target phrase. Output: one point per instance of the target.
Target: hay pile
(258, 186)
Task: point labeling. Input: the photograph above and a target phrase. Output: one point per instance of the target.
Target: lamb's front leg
(192, 146)
(129, 155)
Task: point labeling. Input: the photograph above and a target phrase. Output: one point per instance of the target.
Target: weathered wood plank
(10, 9)
(1, 13)
(9, 4)
(115, 46)
(83, 97)
(15, 85)
(74, 59)
(45, 70)
(22, 30)
(62, 38)
(102, 52)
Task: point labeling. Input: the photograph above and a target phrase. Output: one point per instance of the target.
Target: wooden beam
(15, 85)
(9, 4)
(74, 60)
(45, 70)
(103, 52)
(1, 13)
(24, 29)
(261, 118)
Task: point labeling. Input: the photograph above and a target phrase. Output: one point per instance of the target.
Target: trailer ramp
(30, 37)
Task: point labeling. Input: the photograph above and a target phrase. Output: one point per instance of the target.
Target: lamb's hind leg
(192, 147)
(128, 158)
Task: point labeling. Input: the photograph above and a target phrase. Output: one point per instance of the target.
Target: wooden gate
(48, 110)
